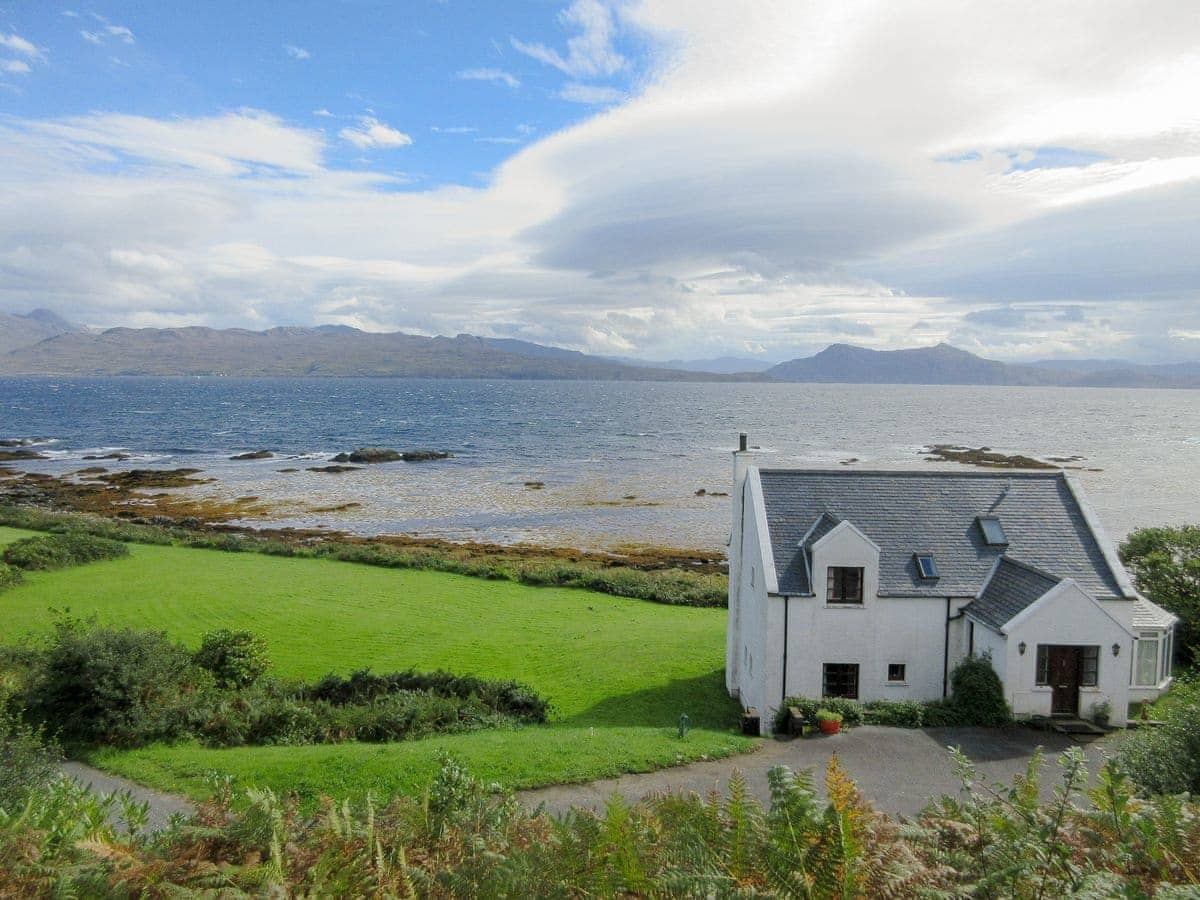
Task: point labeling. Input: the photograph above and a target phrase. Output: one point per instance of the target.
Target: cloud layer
(1022, 179)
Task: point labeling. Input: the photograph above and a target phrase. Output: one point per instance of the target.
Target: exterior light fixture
(1116, 649)
(1021, 648)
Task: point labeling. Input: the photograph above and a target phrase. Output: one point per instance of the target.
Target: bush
(510, 697)
(121, 687)
(127, 688)
(236, 659)
(28, 763)
(58, 551)
(828, 715)
(9, 576)
(977, 698)
(1166, 759)
(976, 691)
(461, 839)
(894, 713)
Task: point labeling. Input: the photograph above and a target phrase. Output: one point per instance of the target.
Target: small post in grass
(685, 724)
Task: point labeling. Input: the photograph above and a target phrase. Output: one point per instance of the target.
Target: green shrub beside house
(976, 698)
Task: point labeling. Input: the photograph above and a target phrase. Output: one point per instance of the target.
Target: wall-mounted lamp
(1116, 649)
(1021, 648)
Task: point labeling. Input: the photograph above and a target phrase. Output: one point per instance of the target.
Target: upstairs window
(993, 531)
(844, 585)
(927, 567)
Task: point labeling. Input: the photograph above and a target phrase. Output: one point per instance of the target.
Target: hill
(944, 364)
(18, 331)
(324, 350)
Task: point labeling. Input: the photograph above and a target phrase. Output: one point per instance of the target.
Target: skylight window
(993, 532)
(927, 566)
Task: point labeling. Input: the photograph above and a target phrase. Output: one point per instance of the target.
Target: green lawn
(619, 672)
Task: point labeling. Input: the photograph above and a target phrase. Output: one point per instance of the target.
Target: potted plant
(829, 721)
(1101, 712)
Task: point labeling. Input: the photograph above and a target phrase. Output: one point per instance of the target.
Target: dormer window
(993, 531)
(844, 585)
(927, 566)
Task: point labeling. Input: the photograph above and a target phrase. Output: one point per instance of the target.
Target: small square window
(896, 672)
(993, 531)
(927, 566)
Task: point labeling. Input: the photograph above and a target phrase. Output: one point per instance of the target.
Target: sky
(657, 179)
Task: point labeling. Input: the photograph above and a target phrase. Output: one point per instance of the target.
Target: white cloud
(594, 95)
(296, 52)
(228, 144)
(14, 67)
(18, 44)
(496, 76)
(591, 51)
(453, 129)
(108, 33)
(372, 134)
(779, 179)
(497, 140)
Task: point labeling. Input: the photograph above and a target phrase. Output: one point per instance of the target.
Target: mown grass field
(619, 672)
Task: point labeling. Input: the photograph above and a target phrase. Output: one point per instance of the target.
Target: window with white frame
(1147, 669)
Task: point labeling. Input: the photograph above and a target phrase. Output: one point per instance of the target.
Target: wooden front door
(1064, 680)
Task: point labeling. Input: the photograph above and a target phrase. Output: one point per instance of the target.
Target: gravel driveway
(898, 769)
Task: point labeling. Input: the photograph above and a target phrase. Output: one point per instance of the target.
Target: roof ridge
(1030, 567)
(910, 473)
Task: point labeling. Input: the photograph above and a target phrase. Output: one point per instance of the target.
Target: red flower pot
(829, 727)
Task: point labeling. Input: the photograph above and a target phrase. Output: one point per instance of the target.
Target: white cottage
(873, 585)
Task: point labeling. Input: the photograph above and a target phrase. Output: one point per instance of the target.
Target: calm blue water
(593, 444)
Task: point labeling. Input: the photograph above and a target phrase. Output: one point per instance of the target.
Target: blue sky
(651, 178)
(446, 74)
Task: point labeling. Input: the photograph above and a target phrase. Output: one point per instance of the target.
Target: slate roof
(1012, 587)
(907, 512)
(1147, 614)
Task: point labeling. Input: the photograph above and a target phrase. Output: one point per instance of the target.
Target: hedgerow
(976, 698)
(59, 551)
(126, 688)
(676, 587)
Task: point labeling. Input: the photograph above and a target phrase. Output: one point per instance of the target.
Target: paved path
(898, 769)
(162, 806)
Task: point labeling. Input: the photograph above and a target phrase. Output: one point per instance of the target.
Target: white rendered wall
(758, 632)
(882, 630)
(1066, 616)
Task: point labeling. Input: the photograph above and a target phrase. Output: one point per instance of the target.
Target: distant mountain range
(22, 330)
(944, 364)
(329, 350)
(41, 343)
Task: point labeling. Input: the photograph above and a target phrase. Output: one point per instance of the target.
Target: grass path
(619, 672)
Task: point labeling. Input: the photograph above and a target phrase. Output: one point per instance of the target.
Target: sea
(596, 465)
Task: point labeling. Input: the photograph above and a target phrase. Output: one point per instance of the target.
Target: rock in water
(424, 455)
(255, 454)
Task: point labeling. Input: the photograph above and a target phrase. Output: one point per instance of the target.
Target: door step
(1077, 728)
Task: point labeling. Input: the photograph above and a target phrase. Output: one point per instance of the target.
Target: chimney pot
(742, 442)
